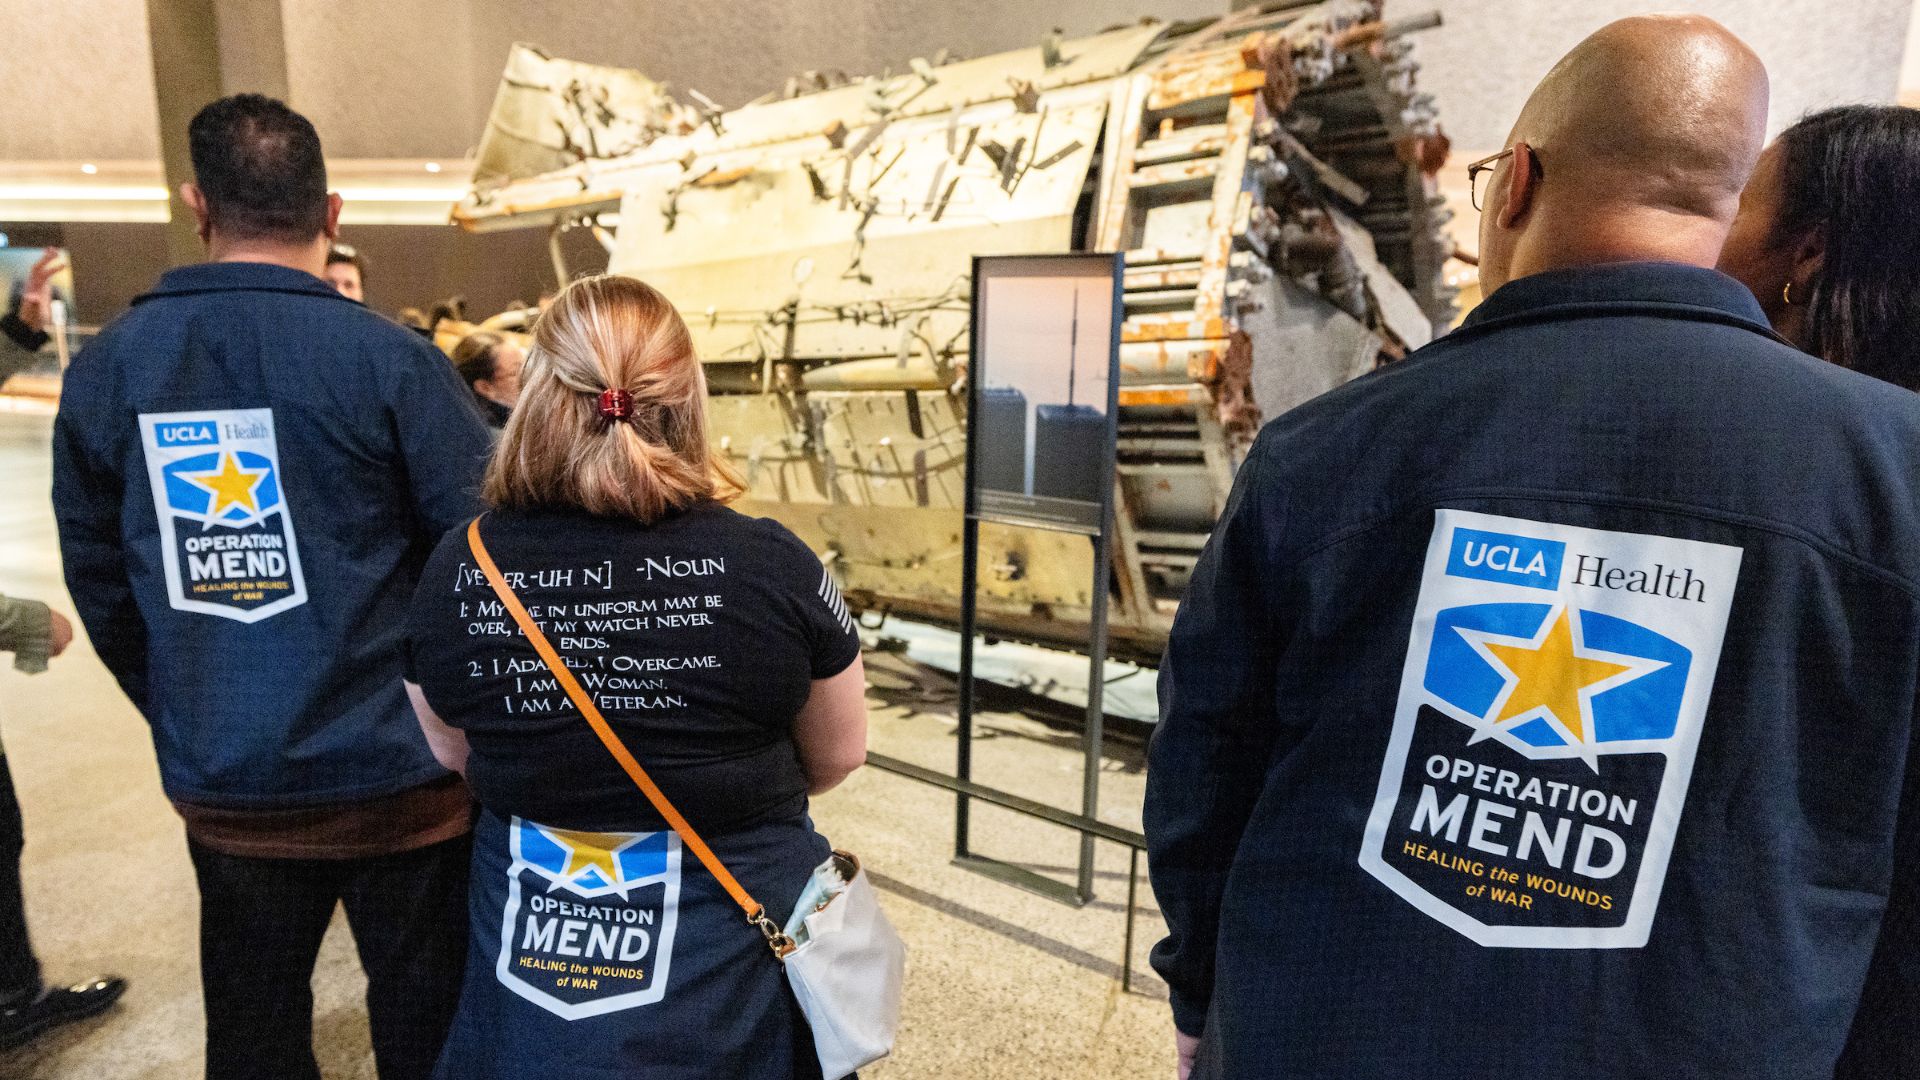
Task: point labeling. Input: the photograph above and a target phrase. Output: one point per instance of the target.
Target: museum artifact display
(1268, 175)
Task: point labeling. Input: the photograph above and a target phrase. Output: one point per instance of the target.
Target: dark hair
(477, 356)
(344, 253)
(452, 308)
(1853, 174)
(260, 167)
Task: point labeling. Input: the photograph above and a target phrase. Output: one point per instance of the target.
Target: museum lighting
(85, 192)
(374, 193)
(377, 191)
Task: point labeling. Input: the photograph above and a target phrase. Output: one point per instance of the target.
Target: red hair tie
(616, 404)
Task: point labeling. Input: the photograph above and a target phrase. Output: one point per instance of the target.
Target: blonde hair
(558, 451)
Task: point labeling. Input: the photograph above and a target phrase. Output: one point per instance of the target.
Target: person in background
(26, 325)
(249, 471)
(491, 364)
(743, 695)
(415, 320)
(32, 632)
(347, 271)
(1545, 705)
(1828, 238)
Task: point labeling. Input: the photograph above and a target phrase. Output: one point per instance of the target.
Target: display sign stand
(1015, 350)
(61, 346)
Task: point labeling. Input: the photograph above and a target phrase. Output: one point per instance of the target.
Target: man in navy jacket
(249, 471)
(1543, 705)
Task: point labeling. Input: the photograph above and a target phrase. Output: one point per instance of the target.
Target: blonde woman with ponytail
(718, 650)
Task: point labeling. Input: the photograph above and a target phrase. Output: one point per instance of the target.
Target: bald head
(1641, 139)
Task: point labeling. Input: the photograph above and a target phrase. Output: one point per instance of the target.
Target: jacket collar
(1645, 288)
(215, 277)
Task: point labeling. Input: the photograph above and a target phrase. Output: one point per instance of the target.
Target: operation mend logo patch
(1554, 689)
(226, 533)
(589, 919)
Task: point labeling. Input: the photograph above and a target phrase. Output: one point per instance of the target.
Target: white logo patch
(1555, 685)
(589, 919)
(226, 532)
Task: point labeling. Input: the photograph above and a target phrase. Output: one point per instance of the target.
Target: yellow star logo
(1550, 676)
(230, 485)
(593, 851)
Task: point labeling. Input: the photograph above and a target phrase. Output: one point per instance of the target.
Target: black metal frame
(1082, 891)
(1090, 829)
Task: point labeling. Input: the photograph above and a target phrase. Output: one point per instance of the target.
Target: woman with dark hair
(1828, 238)
(720, 652)
(490, 363)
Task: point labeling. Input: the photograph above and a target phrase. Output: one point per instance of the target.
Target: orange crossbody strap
(756, 914)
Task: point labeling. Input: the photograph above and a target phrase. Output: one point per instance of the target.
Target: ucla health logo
(226, 532)
(1517, 560)
(1555, 683)
(589, 918)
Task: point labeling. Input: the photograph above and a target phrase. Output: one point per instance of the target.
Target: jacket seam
(1910, 588)
(320, 293)
(1604, 308)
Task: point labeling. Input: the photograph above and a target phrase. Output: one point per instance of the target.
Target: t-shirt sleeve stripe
(837, 604)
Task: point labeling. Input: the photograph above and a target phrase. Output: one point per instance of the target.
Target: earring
(1786, 294)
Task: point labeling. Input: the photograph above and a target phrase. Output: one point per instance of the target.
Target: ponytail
(644, 460)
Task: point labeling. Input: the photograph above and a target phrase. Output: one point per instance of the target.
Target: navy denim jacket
(249, 471)
(1543, 706)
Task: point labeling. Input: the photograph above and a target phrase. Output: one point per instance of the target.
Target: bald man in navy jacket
(1543, 705)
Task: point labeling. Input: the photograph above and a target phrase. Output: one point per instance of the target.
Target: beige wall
(1482, 63)
(76, 81)
(414, 78)
(1910, 71)
(438, 61)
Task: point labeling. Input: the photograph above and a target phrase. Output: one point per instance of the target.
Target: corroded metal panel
(766, 439)
(587, 180)
(550, 113)
(1268, 176)
(905, 448)
(870, 249)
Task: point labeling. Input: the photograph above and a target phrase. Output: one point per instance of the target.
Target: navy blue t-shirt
(699, 636)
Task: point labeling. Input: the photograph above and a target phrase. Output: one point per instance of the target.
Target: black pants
(261, 921)
(19, 970)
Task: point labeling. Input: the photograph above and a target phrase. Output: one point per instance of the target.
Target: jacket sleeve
(17, 331)
(1885, 1040)
(87, 499)
(1217, 735)
(443, 442)
(26, 631)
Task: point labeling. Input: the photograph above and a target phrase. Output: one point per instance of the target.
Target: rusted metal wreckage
(1268, 174)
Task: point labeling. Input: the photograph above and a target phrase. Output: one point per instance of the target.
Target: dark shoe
(23, 1023)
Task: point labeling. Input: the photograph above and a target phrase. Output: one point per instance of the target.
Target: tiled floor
(1001, 983)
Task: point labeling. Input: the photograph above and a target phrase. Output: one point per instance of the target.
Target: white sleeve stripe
(830, 594)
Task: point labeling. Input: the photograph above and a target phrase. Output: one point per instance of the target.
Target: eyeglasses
(1485, 165)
